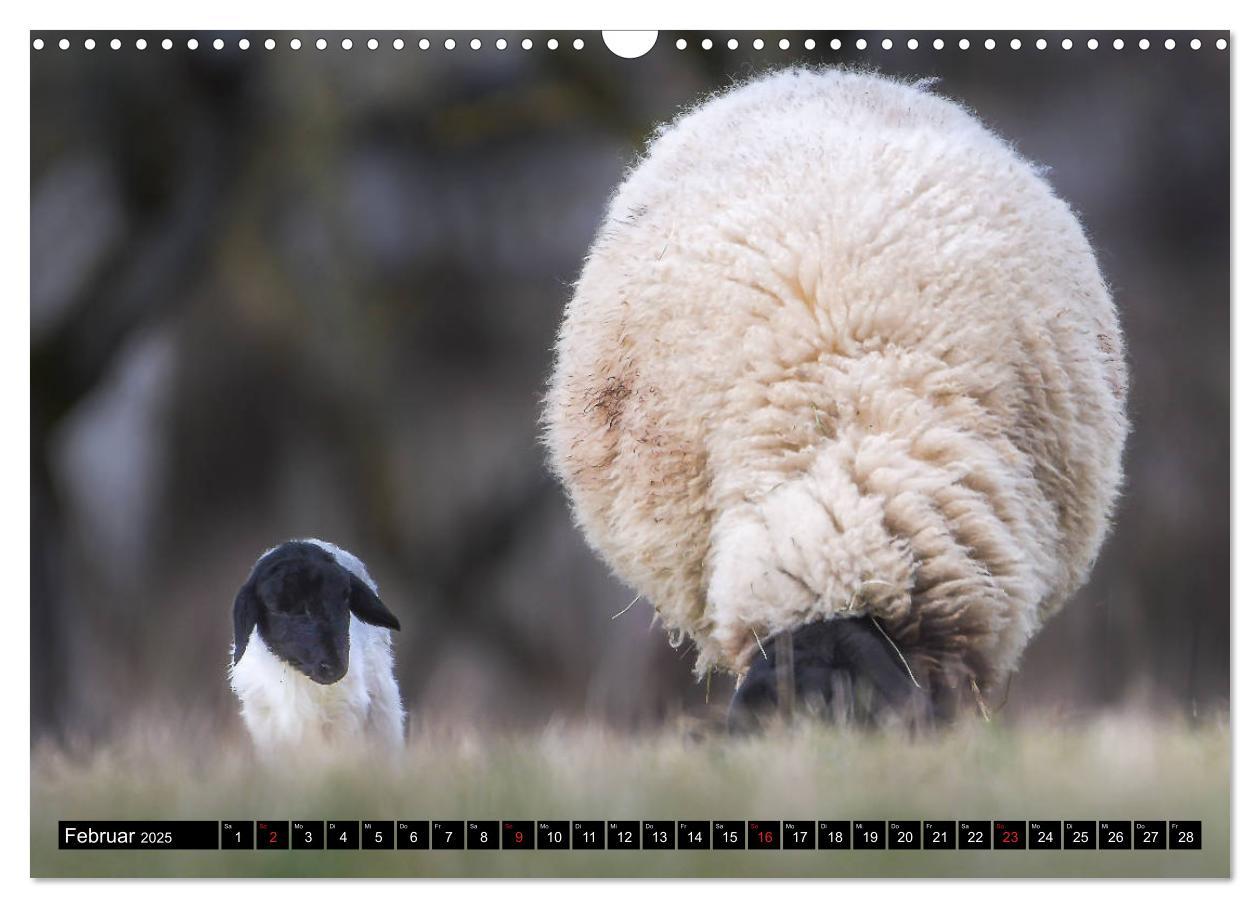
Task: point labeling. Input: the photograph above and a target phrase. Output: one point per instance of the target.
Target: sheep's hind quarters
(841, 391)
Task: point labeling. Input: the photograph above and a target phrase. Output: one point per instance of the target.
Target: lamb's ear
(368, 608)
(244, 619)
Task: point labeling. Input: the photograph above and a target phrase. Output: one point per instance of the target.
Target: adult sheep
(841, 386)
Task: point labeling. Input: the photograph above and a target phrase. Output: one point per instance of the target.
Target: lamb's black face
(306, 617)
(301, 599)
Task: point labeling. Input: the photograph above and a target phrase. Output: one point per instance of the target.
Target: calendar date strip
(632, 835)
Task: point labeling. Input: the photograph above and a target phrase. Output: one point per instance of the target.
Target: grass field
(1109, 768)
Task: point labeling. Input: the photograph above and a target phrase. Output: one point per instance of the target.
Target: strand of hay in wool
(785, 673)
(759, 646)
(984, 710)
(627, 608)
(861, 586)
(1006, 694)
(880, 628)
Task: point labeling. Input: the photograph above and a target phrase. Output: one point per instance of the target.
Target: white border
(782, 15)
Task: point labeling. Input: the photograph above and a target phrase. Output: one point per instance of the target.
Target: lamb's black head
(301, 599)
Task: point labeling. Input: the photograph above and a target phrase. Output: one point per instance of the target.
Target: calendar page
(630, 454)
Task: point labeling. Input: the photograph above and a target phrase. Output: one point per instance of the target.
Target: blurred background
(282, 293)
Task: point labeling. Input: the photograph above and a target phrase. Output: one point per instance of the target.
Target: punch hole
(989, 44)
(913, 44)
(1170, 44)
(886, 44)
(475, 44)
(501, 44)
(218, 44)
(758, 44)
(1041, 44)
(963, 44)
(631, 44)
(732, 44)
(347, 44)
(835, 43)
(449, 43)
(398, 44)
(1221, 44)
(320, 44)
(64, 43)
(270, 44)
(681, 44)
(707, 44)
(296, 44)
(784, 44)
(861, 44)
(938, 44)
(115, 44)
(1144, 44)
(373, 44)
(89, 44)
(423, 43)
(1195, 43)
(243, 44)
(192, 43)
(809, 44)
(526, 44)
(1067, 44)
(1092, 44)
(1016, 44)
(578, 44)
(1118, 44)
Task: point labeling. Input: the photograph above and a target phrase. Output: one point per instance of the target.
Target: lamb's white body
(283, 708)
(838, 349)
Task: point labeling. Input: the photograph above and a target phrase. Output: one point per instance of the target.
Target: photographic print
(671, 454)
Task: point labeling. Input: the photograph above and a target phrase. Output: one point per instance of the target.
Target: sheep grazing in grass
(312, 662)
(841, 390)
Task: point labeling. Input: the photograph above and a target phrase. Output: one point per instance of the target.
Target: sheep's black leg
(841, 666)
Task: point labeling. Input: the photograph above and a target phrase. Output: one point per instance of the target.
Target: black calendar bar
(800, 835)
(870, 835)
(940, 835)
(660, 835)
(695, 835)
(835, 834)
(765, 835)
(518, 835)
(448, 835)
(632, 835)
(159, 835)
(554, 835)
(1045, 835)
(271, 835)
(413, 835)
(905, 835)
(1010, 835)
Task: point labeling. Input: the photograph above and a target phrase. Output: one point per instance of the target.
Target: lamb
(841, 389)
(312, 662)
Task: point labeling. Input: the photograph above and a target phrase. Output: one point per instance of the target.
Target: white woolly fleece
(284, 709)
(838, 349)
